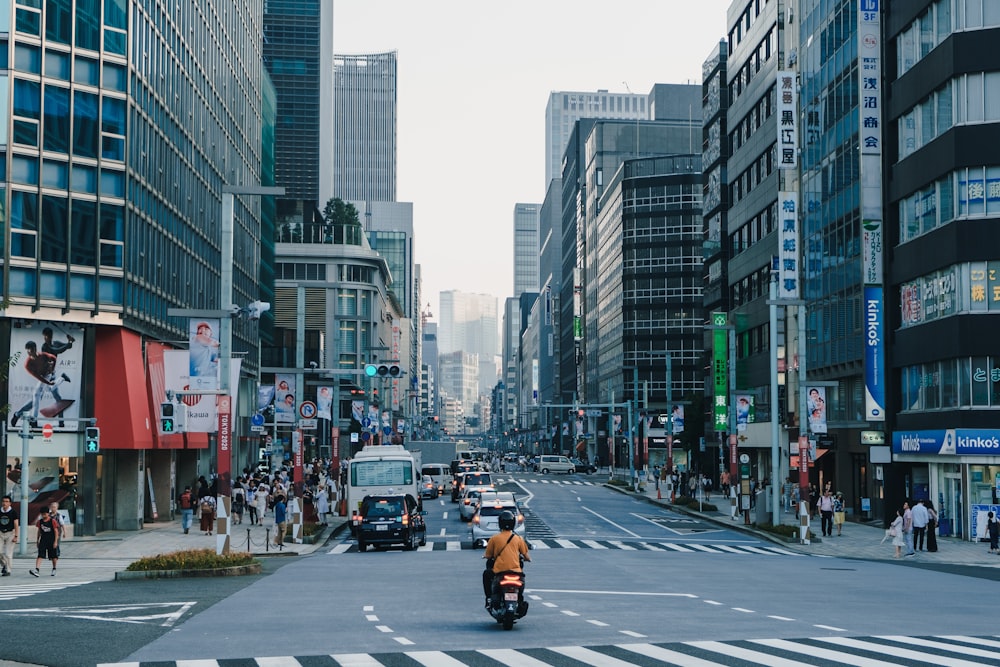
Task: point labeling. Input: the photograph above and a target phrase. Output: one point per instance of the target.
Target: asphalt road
(609, 571)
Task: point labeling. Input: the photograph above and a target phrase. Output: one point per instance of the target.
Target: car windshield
(382, 508)
(477, 479)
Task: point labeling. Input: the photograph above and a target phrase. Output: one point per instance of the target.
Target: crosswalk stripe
(926, 643)
(675, 547)
(277, 661)
(539, 544)
(435, 659)
(354, 660)
(755, 657)
(622, 545)
(512, 658)
(566, 544)
(730, 549)
(702, 547)
(668, 656)
(453, 546)
(589, 657)
(593, 544)
(24, 590)
(552, 542)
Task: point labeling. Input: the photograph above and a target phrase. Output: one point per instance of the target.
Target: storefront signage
(720, 371)
(873, 437)
(874, 355)
(958, 441)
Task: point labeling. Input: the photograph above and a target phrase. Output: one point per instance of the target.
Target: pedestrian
(60, 526)
(207, 507)
(261, 496)
(932, 520)
(186, 503)
(239, 502)
(896, 533)
(252, 502)
(993, 531)
(786, 493)
(693, 485)
(908, 528)
(826, 513)
(838, 513)
(813, 501)
(279, 520)
(920, 519)
(322, 504)
(47, 540)
(9, 531)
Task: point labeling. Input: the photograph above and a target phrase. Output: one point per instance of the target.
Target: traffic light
(383, 370)
(167, 418)
(93, 437)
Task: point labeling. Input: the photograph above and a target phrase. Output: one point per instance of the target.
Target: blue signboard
(954, 441)
(257, 419)
(874, 355)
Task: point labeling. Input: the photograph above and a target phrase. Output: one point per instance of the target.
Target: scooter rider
(505, 552)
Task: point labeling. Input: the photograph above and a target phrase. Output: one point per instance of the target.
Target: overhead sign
(873, 437)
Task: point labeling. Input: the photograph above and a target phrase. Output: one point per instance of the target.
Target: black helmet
(507, 520)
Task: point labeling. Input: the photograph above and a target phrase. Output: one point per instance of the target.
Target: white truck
(381, 470)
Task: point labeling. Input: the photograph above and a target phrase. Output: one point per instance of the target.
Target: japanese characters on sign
(788, 121)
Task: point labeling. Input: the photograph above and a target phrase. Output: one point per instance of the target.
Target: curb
(236, 571)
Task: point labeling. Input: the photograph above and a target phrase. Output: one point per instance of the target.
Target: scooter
(508, 603)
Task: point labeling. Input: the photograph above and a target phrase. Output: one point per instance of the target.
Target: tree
(343, 218)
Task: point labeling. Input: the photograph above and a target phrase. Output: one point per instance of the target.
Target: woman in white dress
(322, 504)
(896, 530)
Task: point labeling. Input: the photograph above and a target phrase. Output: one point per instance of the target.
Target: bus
(380, 470)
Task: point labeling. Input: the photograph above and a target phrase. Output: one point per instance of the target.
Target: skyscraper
(525, 248)
(468, 323)
(365, 127)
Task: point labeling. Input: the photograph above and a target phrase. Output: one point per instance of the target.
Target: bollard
(803, 523)
(249, 548)
(267, 539)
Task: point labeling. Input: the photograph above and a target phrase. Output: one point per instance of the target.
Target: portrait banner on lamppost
(203, 354)
(284, 399)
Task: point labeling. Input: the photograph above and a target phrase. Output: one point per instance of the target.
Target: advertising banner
(45, 374)
(955, 442)
(720, 372)
(202, 411)
(744, 411)
(817, 409)
(203, 348)
(874, 355)
(324, 402)
(284, 399)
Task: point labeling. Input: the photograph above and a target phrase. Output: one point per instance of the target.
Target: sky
(473, 80)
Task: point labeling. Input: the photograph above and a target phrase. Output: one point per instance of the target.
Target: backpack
(185, 501)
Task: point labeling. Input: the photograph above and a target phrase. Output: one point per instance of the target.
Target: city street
(610, 572)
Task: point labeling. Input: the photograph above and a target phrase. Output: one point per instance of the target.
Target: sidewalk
(97, 558)
(859, 540)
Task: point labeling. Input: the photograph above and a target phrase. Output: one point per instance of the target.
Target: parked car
(551, 463)
(584, 466)
(486, 520)
(389, 520)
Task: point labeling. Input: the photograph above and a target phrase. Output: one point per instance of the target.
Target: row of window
(966, 99)
(57, 229)
(753, 286)
(937, 23)
(60, 286)
(749, 124)
(751, 12)
(952, 383)
(965, 193)
(82, 31)
(754, 175)
(753, 230)
(740, 80)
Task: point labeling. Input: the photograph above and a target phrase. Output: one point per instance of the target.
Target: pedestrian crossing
(36, 586)
(604, 545)
(871, 651)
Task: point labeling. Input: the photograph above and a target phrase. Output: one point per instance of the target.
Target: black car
(389, 520)
(584, 466)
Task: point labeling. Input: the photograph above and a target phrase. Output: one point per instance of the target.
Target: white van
(441, 473)
(549, 463)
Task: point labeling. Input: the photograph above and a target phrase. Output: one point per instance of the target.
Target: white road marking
(137, 613)
(368, 607)
(593, 545)
(755, 657)
(404, 641)
(566, 544)
(823, 653)
(632, 633)
(745, 611)
(600, 624)
(668, 656)
(351, 660)
(712, 602)
(383, 628)
(636, 593)
(570, 613)
(453, 546)
(444, 531)
(371, 617)
(588, 657)
(623, 547)
(435, 659)
(604, 518)
(830, 627)
(896, 652)
(550, 604)
(511, 658)
(781, 618)
(277, 661)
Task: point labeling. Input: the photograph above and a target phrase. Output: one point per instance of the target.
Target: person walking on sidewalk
(186, 503)
(9, 531)
(908, 528)
(252, 502)
(993, 531)
(920, 519)
(207, 506)
(48, 542)
(826, 512)
(838, 512)
(931, 526)
(896, 532)
(280, 514)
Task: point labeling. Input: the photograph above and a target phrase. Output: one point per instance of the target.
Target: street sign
(308, 424)
(256, 429)
(307, 410)
(387, 430)
(47, 432)
(663, 419)
(594, 413)
(366, 422)
(268, 440)
(257, 420)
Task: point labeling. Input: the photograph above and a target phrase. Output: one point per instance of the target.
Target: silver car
(468, 503)
(486, 520)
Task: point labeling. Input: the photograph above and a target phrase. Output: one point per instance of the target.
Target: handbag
(893, 532)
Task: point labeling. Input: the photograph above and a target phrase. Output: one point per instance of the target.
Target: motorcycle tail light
(511, 580)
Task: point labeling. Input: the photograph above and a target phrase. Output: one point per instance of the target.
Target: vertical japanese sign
(870, 140)
(720, 371)
(788, 121)
(788, 245)
(225, 452)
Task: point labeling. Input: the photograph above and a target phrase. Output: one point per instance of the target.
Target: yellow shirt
(507, 555)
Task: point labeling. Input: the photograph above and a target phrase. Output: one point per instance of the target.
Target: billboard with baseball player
(45, 377)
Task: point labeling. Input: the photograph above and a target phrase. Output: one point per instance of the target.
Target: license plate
(382, 526)
(512, 597)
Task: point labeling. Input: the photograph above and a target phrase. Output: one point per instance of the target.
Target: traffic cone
(658, 496)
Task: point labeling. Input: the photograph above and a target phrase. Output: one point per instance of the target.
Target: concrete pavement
(859, 540)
